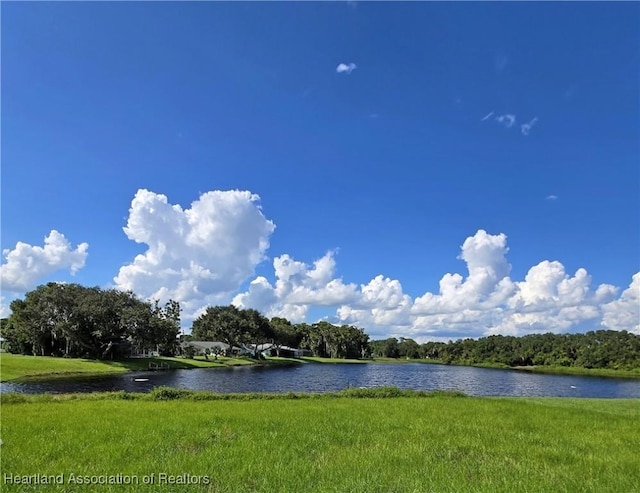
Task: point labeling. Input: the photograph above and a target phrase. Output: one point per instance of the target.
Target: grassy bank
(324, 443)
(17, 366)
(570, 370)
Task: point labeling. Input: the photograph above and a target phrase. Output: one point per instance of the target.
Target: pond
(334, 377)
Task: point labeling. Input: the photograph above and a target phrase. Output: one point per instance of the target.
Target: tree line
(75, 321)
(249, 328)
(612, 349)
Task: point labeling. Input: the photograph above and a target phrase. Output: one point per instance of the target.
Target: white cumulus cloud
(346, 68)
(485, 301)
(381, 306)
(488, 301)
(5, 311)
(624, 313)
(298, 286)
(199, 255)
(27, 264)
(486, 286)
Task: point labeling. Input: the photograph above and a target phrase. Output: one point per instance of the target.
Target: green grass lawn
(13, 366)
(326, 443)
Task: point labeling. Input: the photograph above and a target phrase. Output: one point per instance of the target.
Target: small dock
(159, 366)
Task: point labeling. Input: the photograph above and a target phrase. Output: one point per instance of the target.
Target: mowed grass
(14, 366)
(329, 444)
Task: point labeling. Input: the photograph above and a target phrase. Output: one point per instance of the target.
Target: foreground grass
(328, 443)
(17, 366)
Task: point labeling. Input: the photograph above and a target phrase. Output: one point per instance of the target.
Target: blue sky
(511, 128)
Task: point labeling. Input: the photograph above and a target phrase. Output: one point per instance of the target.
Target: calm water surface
(333, 377)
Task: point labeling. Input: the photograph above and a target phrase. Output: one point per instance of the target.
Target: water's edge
(335, 377)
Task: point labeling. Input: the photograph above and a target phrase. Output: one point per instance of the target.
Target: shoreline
(24, 369)
(61, 368)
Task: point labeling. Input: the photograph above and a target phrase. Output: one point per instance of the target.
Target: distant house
(145, 353)
(285, 351)
(202, 347)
